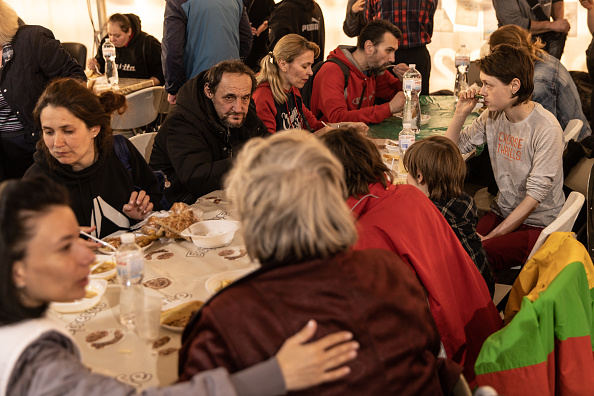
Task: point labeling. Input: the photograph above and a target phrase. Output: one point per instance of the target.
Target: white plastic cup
(148, 316)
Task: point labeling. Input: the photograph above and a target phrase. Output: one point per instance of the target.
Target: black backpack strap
(122, 151)
(306, 91)
(345, 69)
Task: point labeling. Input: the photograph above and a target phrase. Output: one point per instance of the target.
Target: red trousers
(508, 250)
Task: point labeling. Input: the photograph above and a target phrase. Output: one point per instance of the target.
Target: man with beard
(213, 118)
(367, 63)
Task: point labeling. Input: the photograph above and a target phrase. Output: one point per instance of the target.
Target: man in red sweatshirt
(367, 62)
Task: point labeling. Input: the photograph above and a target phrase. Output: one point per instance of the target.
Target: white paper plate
(173, 305)
(217, 282)
(95, 285)
(108, 251)
(105, 274)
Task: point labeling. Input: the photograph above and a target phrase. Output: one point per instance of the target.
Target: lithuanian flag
(547, 348)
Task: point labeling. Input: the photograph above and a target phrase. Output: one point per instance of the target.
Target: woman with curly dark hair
(77, 150)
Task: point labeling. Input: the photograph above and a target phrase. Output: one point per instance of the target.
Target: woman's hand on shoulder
(138, 206)
(306, 365)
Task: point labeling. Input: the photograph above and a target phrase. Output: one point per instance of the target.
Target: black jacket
(38, 57)
(193, 148)
(106, 184)
(303, 17)
(141, 58)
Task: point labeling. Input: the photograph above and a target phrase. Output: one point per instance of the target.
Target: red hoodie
(282, 116)
(403, 220)
(328, 96)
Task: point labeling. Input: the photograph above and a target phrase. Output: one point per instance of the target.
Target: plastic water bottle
(111, 69)
(411, 113)
(462, 63)
(405, 139)
(130, 267)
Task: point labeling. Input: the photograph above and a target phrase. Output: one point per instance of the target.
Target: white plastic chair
(143, 108)
(572, 129)
(564, 221)
(483, 199)
(144, 144)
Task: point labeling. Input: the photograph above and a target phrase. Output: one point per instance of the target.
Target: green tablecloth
(441, 110)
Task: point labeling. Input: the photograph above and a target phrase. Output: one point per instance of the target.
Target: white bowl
(211, 233)
(391, 145)
(97, 286)
(104, 273)
(217, 282)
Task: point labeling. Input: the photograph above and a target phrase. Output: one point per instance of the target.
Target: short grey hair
(290, 194)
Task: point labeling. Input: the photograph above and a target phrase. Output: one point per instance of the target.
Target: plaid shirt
(413, 17)
(462, 215)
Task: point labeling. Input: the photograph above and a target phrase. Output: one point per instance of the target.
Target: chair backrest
(577, 179)
(143, 108)
(572, 129)
(77, 51)
(563, 222)
(144, 144)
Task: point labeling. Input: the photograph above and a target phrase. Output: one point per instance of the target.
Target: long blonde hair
(9, 23)
(518, 37)
(288, 48)
(290, 193)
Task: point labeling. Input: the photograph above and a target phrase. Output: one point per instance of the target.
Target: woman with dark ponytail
(77, 150)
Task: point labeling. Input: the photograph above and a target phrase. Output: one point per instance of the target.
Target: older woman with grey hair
(289, 192)
(42, 260)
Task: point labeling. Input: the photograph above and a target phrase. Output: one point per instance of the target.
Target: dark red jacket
(403, 220)
(371, 293)
(328, 100)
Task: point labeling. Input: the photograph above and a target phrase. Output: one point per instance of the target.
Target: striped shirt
(413, 17)
(9, 123)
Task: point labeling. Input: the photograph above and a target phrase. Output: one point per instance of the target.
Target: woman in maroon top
(283, 72)
(289, 190)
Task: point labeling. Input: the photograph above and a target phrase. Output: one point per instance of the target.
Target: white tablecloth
(178, 271)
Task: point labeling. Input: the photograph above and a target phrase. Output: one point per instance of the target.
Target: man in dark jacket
(302, 17)
(138, 54)
(213, 118)
(31, 57)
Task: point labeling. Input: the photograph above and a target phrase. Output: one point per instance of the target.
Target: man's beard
(232, 124)
(378, 70)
